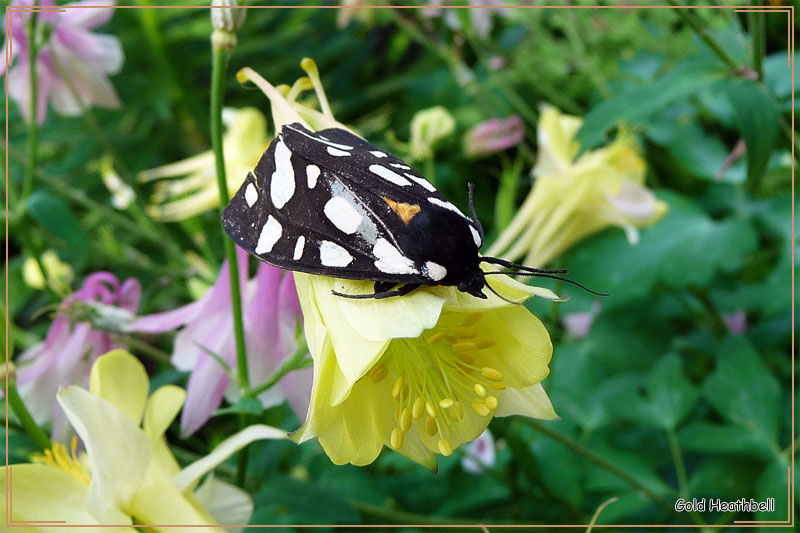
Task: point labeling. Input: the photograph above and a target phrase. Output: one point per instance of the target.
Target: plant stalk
(25, 419)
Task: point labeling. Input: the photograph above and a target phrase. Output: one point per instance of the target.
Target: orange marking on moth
(405, 211)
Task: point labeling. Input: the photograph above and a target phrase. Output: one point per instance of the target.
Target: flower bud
(493, 136)
(227, 16)
(428, 127)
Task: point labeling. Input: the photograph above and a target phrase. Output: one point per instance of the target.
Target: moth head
(473, 285)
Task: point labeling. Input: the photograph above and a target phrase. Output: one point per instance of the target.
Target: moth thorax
(437, 383)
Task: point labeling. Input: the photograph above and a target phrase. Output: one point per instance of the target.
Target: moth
(332, 204)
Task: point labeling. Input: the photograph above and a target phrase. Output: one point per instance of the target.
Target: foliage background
(660, 389)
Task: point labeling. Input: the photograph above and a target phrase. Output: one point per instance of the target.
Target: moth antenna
(500, 296)
(509, 264)
(544, 275)
(472, 212)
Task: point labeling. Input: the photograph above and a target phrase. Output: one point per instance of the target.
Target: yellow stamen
(418, 407)
(491, 402)
(499, 386)
(463, 333)
(58, 457)
(480, 408)
(490, 373)
(479, 389)
(467, 358)
(397, 438)
(471, 319)
(436, 337)
(405, 418)
(444, 403)
(451, 339)
(310, 67)
(463, 346)
(445, 447)
(430, 408)
(430, 426)
(482, 345)
(397, 387)
(379, 375)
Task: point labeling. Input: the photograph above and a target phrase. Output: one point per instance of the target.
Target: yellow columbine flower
(59, 274)
(423, 373)
(572, 198)
(127, 475)
(243, 143)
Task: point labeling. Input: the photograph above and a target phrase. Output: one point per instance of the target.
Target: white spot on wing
(421, 181)
(399, 165)
(390, 260)
(389, 175)
(250, 195)
(298, 248)
(343, 214)
(281, 188)
(337, 152)
(270, 234)
(377, 153)
(312, 173)
(333, 255)
(475, 236)
(321, 139)
(446, 205)
(434, 271)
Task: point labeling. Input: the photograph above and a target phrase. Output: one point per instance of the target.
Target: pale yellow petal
(227, 503)
(223, 450)
(119, 452)
(162, 408)
(42, 493)
(555, 136)
(121, 379)
(160, 502)
(531, 401)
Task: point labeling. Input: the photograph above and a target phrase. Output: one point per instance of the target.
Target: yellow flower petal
(160, 502)
(118, 450)
(227, 503)
(41, 493)
(121, 379)
(162, 408)
(531, 401)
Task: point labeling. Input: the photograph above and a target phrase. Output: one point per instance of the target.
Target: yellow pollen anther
(499, 386)
(479, 389)
(491, 402)
(397, 438)
(471, 319)
(418, 407)
(66, 461)
(463, 346)
(463, 333)
(482, 345)
(430, 426)
(480, 408)
(445, 447)
(451, 339)
(467, 358)
(397, 387)
(430, 408)
(457, 412)
(405, 418)
(378, 376)
(436, 337)
(490, 373)
(444, 403)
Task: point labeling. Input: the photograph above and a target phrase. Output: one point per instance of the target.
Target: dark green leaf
(301, 502)
(249, 406)
(671, 395)
(757, 116)
(743, 391)
(722, 438)
(638, 104)
(774, 483)
(54, 215)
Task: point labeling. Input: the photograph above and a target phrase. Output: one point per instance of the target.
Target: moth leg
(403, 290)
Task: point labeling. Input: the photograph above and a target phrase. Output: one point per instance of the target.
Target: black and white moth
(330, 203)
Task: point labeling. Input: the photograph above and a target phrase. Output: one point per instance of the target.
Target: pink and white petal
(203, 394)
(100, 53)
(87, 18)
(129, 295)
(296, 388)
(166, 321)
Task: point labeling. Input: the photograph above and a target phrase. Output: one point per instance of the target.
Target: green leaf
(743, 391)
(722, 438)
(671, 395)
(757, 116)
(778, 75)
(724, 477)
(54, 215)
(559, 471)
(774, 483)
(285, 499)
(638, 104)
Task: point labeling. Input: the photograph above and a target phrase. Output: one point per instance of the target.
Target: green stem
(295, 362)
(756, 21)
(579, 48)
(430, 169)
(143, 347)
(688, 17)
(219, 61)
(33, 126)
(31, 428)
(604, 463)
(677, 458)
(717, 324)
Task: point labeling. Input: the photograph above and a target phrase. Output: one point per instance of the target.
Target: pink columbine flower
(481, 453)
(736, 321)
(67, 353)
(494, 135)
(578, 325)
(70, 48)
(270, 311)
